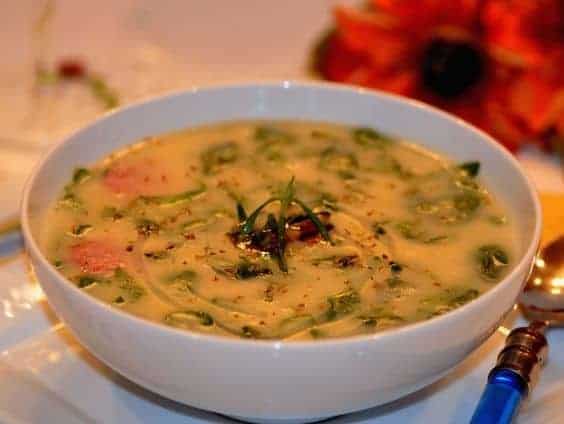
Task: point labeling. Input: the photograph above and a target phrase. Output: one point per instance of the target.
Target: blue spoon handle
(501, 398)
(510, 381)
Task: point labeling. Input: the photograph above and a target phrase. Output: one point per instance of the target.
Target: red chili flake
(71, 69)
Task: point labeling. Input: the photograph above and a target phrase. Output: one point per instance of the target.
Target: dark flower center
(450, 67)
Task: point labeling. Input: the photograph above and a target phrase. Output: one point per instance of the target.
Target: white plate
(146, 48)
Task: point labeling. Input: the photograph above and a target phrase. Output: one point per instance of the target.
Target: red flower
(495, 63)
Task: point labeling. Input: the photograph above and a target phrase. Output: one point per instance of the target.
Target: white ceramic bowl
(268, 380)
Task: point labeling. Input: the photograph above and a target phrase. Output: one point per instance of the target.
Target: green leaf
(327, 201)
(396, 282)
(368, 137)
(219, 154)
(111, 212)
(272, 135)
(318, 224)
(249, 223)
(342, 303)
(342, 163)
(186, 275)
(186, 319)
(378, 314)
(295, 324)
(80, 230)
(119, 300)
(85, 281)
(241, 213)
(447, 300)
(171, 199)
(80, 175)
(467, 202)
(316, 333)
(250, 332)
(147, 227)
(131, 290)
(412, 230)
(246, 270)
(470, 169)
(492, 260)
(286, 198)
(157, 255)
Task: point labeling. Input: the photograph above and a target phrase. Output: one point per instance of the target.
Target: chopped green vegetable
(379, 229)
(219, 154)
(111, 212)
(187, 275)
(377, 315)
(295, 324)
(411, 230)
(368, 137)
(447, 300)
(132, 290)
(395, 267)
(193, 224)
(80, 175)
(492, 260)
(80, 230)
(327, 201)
(187, 319)
(87, 281)
(395, 282)
(147, 227)
(467, 202)
(70, 200)
(342, 163)
(471, 169)
(171, 199)
(250, 332)
(246, 270)
(119, 300)
(340, 261)
(342, 303)
(316, 333)
(157, 255)
(271, 135)
(497, 220)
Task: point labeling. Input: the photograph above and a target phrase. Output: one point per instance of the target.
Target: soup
(280, 230)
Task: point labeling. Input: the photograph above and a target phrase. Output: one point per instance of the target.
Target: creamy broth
(280, 230)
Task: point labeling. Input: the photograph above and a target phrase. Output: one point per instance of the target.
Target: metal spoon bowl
(543, 296)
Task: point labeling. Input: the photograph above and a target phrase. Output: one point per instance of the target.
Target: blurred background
(65, 62)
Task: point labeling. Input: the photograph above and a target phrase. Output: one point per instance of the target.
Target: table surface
(146, 48)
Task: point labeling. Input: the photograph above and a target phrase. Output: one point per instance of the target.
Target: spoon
(518, 364)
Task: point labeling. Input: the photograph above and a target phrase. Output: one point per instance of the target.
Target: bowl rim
(277, 344)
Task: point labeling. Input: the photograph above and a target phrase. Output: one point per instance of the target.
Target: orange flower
(495, 63)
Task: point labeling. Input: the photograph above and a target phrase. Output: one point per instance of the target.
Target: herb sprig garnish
(286, 197)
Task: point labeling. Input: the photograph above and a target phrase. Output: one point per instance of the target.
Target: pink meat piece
(96, 257)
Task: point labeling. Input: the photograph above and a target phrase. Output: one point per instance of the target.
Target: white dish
(277, 381)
